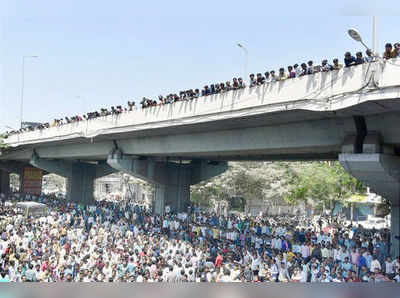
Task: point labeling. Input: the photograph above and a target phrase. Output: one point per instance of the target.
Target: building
(123, 187)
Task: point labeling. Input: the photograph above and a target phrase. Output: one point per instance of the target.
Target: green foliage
(322, 182)
(202, 194)
(248, 186)
(272, 182)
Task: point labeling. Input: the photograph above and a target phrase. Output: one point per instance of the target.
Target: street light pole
(375, 35)
(354, 34)
(246, 54)
(22, 87)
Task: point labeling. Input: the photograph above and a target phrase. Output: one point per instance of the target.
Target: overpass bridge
(351, 115)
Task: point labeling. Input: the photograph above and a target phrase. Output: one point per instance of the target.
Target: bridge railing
(316, 89)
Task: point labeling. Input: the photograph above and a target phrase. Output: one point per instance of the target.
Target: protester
(124, 242)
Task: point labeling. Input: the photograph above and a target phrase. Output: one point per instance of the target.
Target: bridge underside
(319, 139)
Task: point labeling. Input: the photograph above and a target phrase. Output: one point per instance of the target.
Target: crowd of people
(391, 51)
(124, 242)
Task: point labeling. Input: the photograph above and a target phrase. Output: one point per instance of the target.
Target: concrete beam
(103, 169)
(140, 168)
(295, 140)
(60, 167)
(309, 137)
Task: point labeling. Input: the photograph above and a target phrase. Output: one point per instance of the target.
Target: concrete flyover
(352, 115)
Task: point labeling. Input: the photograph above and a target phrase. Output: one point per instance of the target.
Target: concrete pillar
(4, 182)
(80, 175)
(381, 172)
(7, 168)
(174, 189)
(80, 184)
(172, 180)
(395, 229)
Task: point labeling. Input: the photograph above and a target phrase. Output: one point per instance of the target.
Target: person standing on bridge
(336, 64)
(349, 60)
(282, 75)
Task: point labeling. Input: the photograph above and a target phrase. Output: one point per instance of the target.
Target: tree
(202, 194)
(323, 183)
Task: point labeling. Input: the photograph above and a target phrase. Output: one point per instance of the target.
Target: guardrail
(270, 97)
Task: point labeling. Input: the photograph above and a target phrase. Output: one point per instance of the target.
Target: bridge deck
(279, 106)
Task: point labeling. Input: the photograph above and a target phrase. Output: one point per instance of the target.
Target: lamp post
(22, 86)
(246, 58)
(354, 34)
(375, 35)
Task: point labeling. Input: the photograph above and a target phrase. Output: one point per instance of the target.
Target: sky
(95, 54)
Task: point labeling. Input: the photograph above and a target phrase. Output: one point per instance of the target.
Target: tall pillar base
(4, 182)
(177, 198)
(80, 185)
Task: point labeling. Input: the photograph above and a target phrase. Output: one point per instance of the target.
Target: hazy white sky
(96, 54)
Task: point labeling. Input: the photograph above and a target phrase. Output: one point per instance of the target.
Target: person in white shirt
(274, 270)
(304, 272)
(305, 251)
(283, 273)
(338, 278)
(297, 70)
(324, 251)
(375, 265)
(325, 277)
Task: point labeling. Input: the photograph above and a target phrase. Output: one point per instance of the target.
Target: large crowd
(124, 242)
(391, 51)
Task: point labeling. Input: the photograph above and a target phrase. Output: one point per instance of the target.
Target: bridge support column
(172, 180)
(6, 168)
(381, 172)
(173, 189)
(395, 229)
(4, 182)
(80, 175)
(80, 184)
